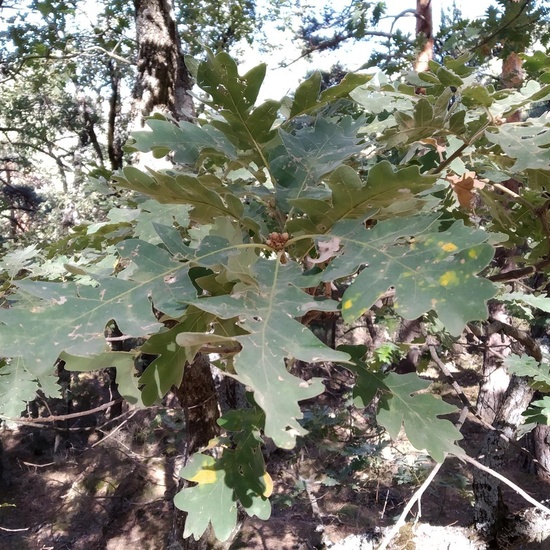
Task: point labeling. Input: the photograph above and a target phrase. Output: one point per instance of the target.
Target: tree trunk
(162, 84)
(489, 508)
(495, 379)
(424, 29)
(114, 138)
(541, 448)
(163, 79)
(197, 395)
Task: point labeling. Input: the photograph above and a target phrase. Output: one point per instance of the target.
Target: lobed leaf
(267, 313)
(430, 270)
(239, 475)
(417, 413)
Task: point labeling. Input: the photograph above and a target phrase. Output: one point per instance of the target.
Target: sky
(280, 80)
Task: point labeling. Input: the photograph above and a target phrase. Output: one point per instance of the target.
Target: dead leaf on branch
(464, 187)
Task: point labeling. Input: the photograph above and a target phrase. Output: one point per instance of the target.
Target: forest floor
(342, 487)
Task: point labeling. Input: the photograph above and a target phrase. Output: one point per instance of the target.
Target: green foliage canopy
(317, 205)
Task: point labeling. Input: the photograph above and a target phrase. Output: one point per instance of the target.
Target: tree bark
(197, 395)
(495, 379)
(489, 508)
(424, 29)
(114, 139)
(163, 79)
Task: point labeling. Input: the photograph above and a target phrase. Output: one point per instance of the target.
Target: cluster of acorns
(277, 241)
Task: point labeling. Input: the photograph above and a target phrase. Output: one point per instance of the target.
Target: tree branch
(505, 480)
(333, 43)
(418, 494)
(56, 418)
(529, 343)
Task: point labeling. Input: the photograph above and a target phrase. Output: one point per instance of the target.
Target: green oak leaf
(402, 406)
(343, 89)
(306, 95)
(72, 318)
(528, 144)
(235, 96)
(367, 383)
(238, 475)
(207, 195)
(241, 260)
(13, 261)
(538, 412)
(385, 188)
(184, 139)
(309, 98)
(539, 302)
(267, 313)
(18, 386)
(430, 270)
(168, 368)
(123, 362)
(152, 212)
(219, 76)
(161, 277)
(309, 154)
(523, 365)
(211, 500)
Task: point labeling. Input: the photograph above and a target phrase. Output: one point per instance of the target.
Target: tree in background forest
(410, 206)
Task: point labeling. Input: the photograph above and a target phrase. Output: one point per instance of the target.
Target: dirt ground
(111, 488)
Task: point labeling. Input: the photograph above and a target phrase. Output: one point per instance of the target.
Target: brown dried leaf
(464, 187)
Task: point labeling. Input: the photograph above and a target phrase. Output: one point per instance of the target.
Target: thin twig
(488, 38)
(519, 273)
(438, 169)
(33, 465)
(471, 408)
(84, 53)
(510, 484)
(332, 43)
(418, 494)
(60, 417)
(450, 380)
(113, 432)
(513, 194)
(530, 344)
(403, 14)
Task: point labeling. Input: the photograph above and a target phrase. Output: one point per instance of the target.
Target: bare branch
(333, 43)
(62, 416)
(84, 53)
(530, 344)
(505, 480)
(418, 494)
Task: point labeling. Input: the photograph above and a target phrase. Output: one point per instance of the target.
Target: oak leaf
(464, 187)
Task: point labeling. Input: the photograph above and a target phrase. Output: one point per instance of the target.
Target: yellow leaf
(268, 482)
(204, 476)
